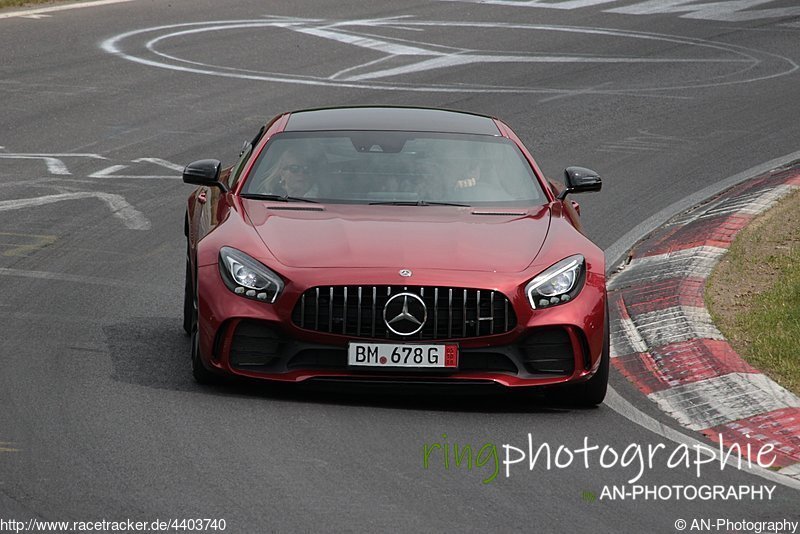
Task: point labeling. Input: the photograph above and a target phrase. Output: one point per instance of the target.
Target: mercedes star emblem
(405, 314)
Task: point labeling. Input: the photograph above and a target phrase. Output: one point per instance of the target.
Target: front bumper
(252, 339)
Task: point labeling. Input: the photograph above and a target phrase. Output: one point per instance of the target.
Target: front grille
(357, 311)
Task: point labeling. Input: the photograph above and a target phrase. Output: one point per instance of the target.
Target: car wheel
(593, 391)
(201, 374)
(188, 298)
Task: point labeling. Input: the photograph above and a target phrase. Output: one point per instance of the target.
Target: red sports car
(397, 245)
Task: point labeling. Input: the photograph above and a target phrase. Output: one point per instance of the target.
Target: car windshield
(393, 168)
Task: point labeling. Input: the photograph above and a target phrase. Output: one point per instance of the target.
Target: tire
(201, 375)
(593, 391)
(190, 323)
(188, 298)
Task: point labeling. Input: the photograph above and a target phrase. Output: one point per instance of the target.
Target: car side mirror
(580, 180)
(204, 172)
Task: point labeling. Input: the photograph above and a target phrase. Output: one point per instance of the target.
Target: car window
(244, 155)
(377, 166)
(236, 172)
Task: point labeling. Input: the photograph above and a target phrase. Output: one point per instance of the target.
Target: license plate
(402, 355)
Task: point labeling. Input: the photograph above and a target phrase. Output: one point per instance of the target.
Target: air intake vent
(548, 350)
(296, 208)
(501, 213)
(254, 345)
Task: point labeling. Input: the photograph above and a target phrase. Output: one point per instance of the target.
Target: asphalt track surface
(99, 416)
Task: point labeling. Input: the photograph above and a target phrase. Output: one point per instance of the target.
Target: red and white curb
(664, 341)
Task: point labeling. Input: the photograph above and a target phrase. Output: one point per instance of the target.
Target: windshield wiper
(416, 203)
(278, 198)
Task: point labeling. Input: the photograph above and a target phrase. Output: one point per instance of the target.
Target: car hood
(421, 237)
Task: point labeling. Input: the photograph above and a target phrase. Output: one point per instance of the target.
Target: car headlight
(557, 284)
(247, 277)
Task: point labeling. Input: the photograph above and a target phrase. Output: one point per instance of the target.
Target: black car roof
(391, 118)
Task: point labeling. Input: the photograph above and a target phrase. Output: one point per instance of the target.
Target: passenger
(470, 175)
(476, 179)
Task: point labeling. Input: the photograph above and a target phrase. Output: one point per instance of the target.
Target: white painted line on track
(119, 207)
(140, 177)
(727, 11)
(377, 45)
(107, 171)
(34, 13)
(429, 56)
(62, 155)
(721, 11)
(162, 163)
(130, 216)
(54, 165)
(62, 277)
(110, 172)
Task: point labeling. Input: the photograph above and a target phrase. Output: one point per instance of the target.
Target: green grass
(754, 294)
(772, 325)
(21, 3)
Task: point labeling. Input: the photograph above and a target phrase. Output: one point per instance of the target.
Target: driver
(297, 173)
